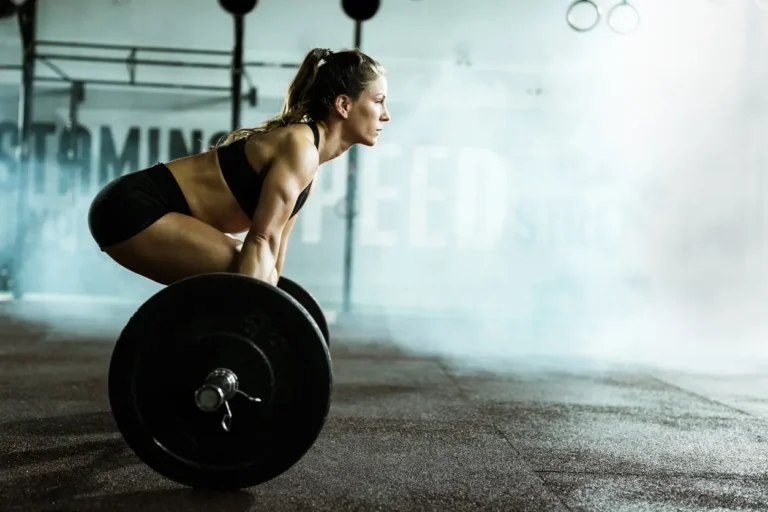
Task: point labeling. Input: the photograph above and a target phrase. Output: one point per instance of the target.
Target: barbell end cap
(209, 398)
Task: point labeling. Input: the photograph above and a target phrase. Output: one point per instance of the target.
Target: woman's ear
(343, 104)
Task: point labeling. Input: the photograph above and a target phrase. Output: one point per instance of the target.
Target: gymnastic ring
(623, 3)
(589, 3)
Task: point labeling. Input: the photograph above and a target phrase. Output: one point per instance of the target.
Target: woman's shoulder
(299, 133)
(292, 143)
(294, 137)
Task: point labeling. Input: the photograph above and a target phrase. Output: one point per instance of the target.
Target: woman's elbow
(263, 241)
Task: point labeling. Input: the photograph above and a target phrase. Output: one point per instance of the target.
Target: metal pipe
(149, 49)
(358, 34)
(76, 95)
(27, 14)
(237, 71)
(156, 85)
(346, 302)
(133, 61)
(56, 69)
(262, 64)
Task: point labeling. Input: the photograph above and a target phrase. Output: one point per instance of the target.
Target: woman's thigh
(175, 247)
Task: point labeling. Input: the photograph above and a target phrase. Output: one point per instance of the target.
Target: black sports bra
(244, 182)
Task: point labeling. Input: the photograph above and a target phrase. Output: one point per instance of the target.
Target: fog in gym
(542, 191)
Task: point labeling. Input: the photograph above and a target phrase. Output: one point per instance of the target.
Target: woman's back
(208, 179)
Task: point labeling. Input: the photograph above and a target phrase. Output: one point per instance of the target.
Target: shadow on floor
(155, 501)
(101, 422)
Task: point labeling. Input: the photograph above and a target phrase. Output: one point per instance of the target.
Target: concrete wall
(530, 170)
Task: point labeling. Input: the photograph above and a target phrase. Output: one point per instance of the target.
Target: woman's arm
(284, 246)
(290, 172)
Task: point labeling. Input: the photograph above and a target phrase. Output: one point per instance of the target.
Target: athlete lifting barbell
(223, 378)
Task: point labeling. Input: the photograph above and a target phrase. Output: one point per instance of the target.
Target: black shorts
(132, 203)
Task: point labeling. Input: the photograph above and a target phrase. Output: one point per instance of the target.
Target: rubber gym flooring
(404, 433)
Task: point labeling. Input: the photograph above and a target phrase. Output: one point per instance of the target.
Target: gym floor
(404, 433)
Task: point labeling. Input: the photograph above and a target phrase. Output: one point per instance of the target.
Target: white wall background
(585, 190)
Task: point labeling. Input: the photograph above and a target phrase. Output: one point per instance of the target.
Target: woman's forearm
(258, 260)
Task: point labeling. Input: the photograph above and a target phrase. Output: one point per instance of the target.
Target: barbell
(221, 381)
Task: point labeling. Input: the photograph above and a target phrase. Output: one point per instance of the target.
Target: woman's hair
(322, 77)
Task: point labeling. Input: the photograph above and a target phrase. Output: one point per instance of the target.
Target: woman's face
(366, 116)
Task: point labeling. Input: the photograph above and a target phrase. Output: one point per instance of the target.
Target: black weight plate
(187, 330)
(306, 299)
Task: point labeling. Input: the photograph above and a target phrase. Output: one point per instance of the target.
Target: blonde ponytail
(295, 107)
(322, 76)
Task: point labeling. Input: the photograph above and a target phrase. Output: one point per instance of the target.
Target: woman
(170, 221)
